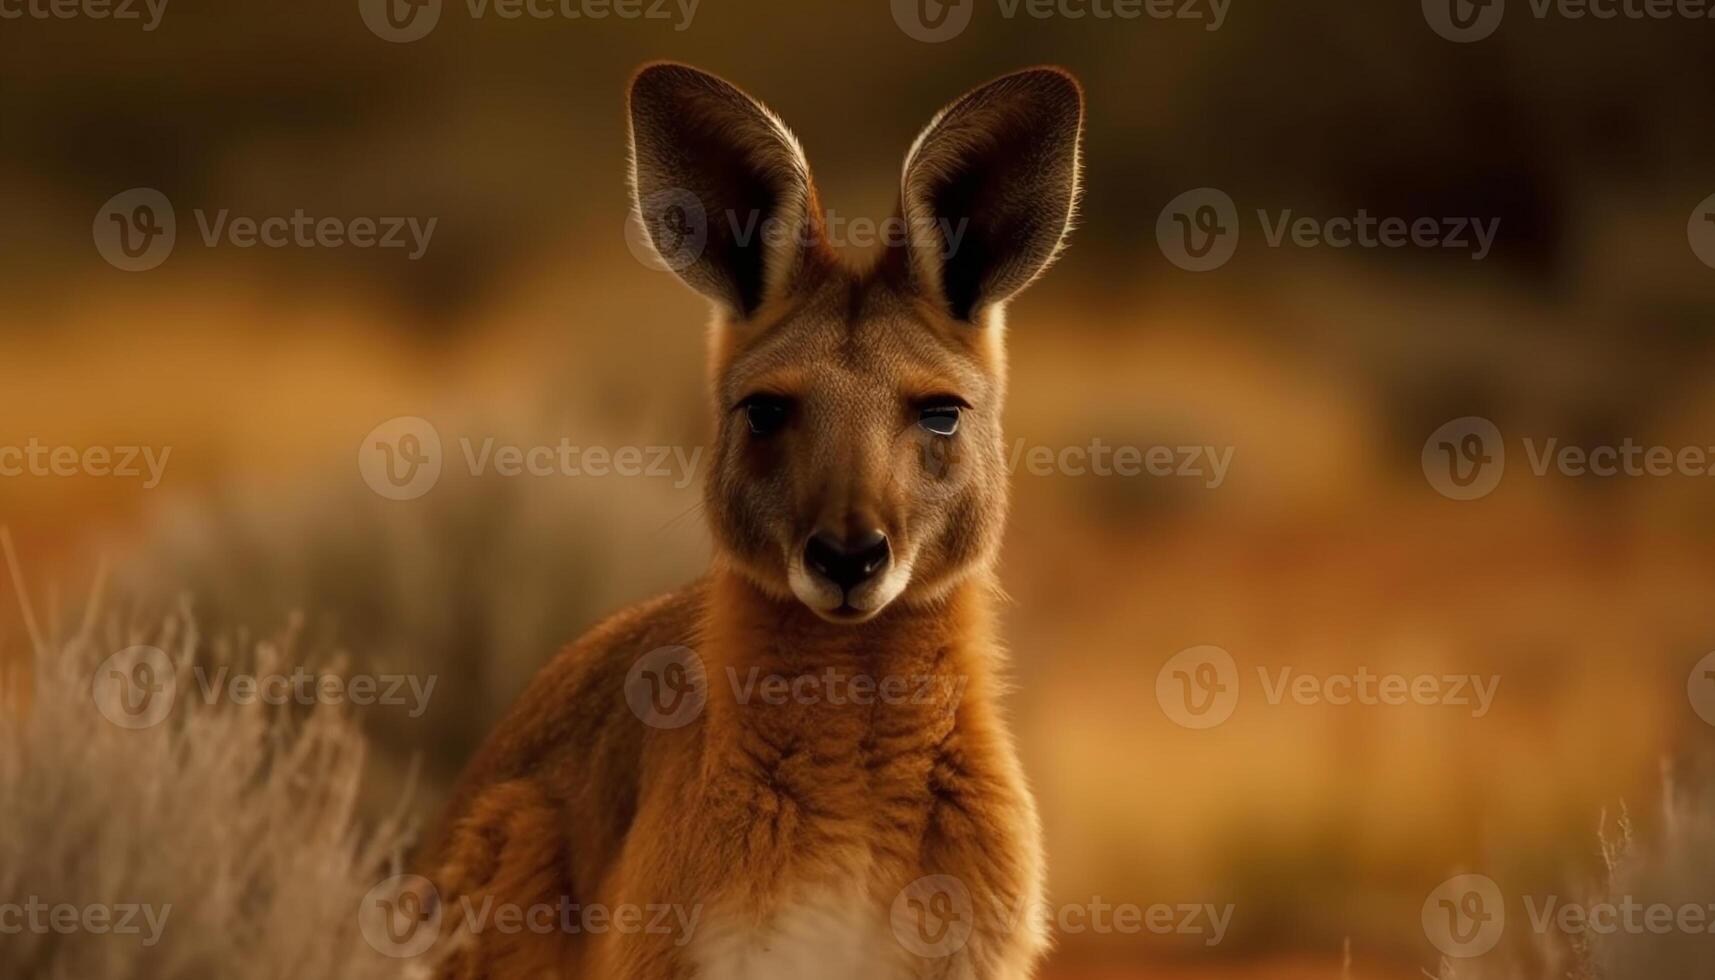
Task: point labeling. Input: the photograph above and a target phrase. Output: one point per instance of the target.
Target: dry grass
(1673, 869)
(236, 827)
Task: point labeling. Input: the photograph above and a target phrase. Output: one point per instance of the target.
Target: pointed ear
(720, 185)
(990, 187)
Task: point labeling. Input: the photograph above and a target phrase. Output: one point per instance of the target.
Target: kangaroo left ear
(720, 185)
(990, 187)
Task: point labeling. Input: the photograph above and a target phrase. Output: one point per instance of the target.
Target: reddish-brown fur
(792, 827)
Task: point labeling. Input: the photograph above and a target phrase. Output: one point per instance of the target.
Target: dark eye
(766, 414)
(942, 419)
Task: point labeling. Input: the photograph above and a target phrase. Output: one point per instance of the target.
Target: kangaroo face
(858, 457)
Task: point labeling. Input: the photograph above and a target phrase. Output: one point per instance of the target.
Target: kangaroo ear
(720, 185)
(990, 187)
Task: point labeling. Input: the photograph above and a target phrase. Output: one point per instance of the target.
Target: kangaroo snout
(848, 571)
(847, 561)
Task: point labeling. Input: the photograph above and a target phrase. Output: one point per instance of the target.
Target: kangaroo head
(858, 457)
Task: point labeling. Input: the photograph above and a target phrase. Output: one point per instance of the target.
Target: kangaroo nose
(846, 563)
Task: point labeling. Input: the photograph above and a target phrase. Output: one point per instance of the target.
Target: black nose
(846, 563)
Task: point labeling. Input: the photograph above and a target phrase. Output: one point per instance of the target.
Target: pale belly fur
(831, 937)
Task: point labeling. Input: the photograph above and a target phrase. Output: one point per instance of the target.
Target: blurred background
(1327, 548)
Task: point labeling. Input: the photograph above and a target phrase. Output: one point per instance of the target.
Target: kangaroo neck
(775, 658)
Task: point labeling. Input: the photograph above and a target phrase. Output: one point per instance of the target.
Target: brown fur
(759, 813)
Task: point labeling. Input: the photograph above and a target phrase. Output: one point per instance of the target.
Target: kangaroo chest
(836, 778)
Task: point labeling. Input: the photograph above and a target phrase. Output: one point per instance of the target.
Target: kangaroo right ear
(990, 187)
(720, 185)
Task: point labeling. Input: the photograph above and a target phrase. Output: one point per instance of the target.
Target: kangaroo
(797, 766)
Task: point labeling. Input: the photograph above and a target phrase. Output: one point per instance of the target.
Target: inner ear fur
(990, 188)
(709, 159)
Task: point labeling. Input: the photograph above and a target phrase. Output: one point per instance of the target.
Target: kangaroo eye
(941, 420)
(766, 414)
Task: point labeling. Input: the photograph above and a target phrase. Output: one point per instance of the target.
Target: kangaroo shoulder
(571, 732)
